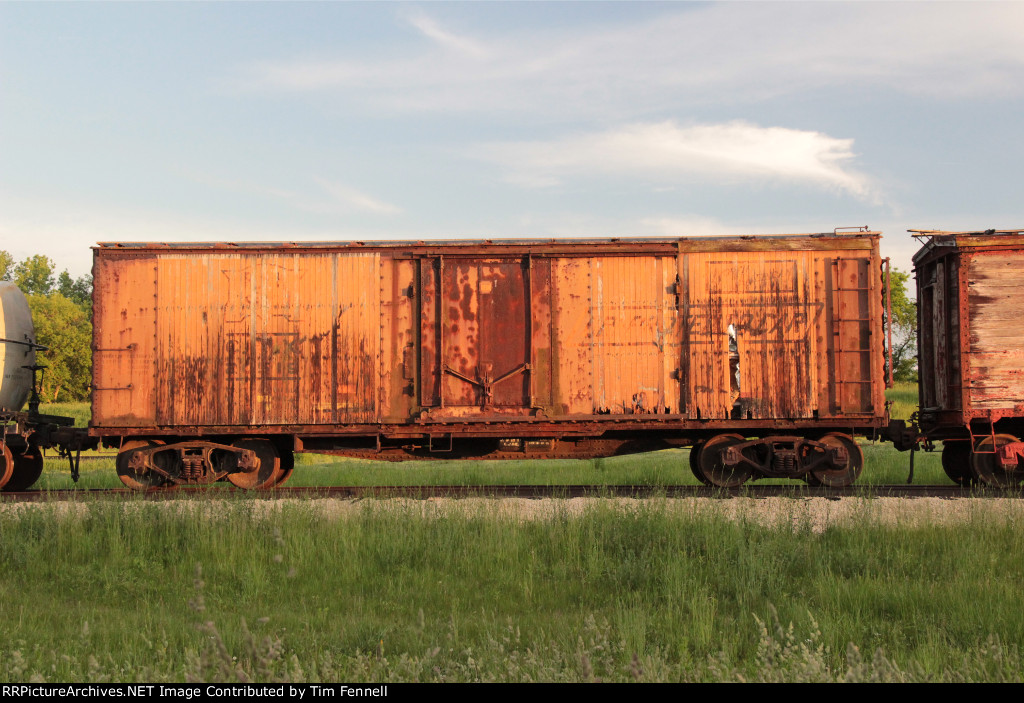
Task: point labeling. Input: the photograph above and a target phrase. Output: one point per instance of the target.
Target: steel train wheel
(269, 473)
(284, 478)
(985, 467)
(128, 476)
(956, 462)
(843, 475)
(6, 466)
(287, 468)
(28, 467)
(695, 465)
(709, 463)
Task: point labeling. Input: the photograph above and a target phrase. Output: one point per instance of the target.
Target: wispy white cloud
(665, 152)
(722, 53)
(433, 30)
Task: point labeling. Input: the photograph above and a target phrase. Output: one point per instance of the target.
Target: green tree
(6, 265)
(34, 275)
(904, 328)
(62, 314)
(78, 290)
(66, 328)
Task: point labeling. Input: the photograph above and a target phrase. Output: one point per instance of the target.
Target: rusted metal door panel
(124, 342)
(486, 325)
(995, 344)
(751, 335)
(618, 336)
(479, 337)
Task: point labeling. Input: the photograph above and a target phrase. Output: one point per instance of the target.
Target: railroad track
(509, 491)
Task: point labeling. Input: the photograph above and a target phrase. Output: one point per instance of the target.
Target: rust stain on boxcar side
(799, 325)
(241, 340)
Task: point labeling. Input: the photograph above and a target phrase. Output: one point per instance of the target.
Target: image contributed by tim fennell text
(194, 691)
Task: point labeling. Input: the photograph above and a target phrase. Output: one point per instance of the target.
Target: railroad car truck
(219, 360)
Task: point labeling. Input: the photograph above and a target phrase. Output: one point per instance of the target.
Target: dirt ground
(813, 513)
(817, 513)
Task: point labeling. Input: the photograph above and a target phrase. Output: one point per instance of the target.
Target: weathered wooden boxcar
(970, 292)
(219, 360)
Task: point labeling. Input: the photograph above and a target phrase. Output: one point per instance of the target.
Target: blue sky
(334, 121)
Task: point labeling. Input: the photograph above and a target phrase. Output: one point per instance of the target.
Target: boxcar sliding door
(482, 327)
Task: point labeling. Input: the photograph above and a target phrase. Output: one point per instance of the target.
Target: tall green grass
(79, 412)
(236, 590)
(903, 397)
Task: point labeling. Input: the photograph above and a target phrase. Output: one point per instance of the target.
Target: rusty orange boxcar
(218, 361)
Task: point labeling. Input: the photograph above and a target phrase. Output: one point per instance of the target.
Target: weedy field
(215, 590)
(222, 587)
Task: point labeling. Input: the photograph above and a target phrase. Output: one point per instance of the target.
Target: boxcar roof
(941, 242)
(860, 239)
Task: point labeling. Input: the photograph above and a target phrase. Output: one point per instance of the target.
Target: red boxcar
(971, 351)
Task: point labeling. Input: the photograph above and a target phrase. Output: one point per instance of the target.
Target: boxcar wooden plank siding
(239, 340)
(970, 289)
(630, 333)
(124, 340)
(995, 345)
(572, 329)
(804, 346)
(352, 337)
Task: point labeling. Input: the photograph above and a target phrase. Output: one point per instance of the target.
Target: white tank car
(17, 350)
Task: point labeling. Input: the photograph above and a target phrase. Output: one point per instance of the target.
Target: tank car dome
(17, 335)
